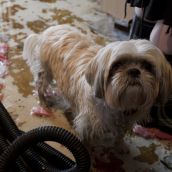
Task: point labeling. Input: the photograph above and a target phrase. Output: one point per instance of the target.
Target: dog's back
(33, 43)
(63, 50)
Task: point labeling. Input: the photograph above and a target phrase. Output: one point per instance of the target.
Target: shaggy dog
(108, 88)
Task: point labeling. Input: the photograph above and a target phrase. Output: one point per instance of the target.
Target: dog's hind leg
(42, 85)
(49, 95)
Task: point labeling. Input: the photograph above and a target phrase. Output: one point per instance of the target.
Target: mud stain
(44, 11)
(64, 16)
(21, 75)
(147, 154)
(19, 38)
(11, 11)
(37, 25)
(16, 25)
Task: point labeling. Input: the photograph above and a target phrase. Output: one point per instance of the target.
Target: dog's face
(132, 83)
(130, 75)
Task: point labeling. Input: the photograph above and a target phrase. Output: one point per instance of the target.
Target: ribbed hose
(3, 143)
(47, 133)
(7, 124)
(53, 155)
(19, 165)
(41, 150)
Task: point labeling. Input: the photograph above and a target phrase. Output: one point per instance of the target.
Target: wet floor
(20, 18)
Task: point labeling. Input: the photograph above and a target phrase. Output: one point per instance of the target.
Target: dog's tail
(29, 46)
(31, 53)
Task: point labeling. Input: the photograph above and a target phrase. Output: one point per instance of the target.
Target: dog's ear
(95, 78)
(90, 73)
(98, 69)
(165, 83)
(99, 84)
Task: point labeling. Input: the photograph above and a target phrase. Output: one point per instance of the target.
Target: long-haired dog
(108, 88)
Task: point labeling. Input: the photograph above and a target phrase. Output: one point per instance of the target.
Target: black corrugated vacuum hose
(26, 152)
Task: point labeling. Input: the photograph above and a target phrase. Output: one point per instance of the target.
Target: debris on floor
(151, 133)
(40, 111)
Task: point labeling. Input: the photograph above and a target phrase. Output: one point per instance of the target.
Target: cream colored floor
(20, 18)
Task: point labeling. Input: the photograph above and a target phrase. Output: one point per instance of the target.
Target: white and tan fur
(97, 81)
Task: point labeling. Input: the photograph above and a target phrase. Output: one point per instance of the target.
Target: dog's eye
(116, 66)
(147, 66)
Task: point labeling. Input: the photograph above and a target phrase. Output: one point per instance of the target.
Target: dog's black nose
(134, 72)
